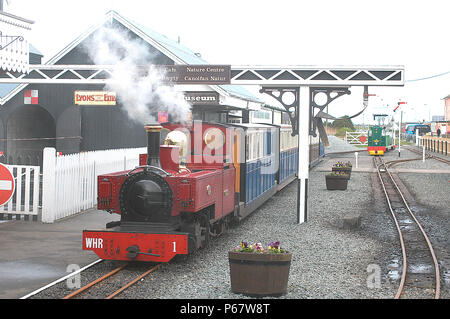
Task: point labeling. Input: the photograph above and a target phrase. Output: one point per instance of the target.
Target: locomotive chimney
(153, 136)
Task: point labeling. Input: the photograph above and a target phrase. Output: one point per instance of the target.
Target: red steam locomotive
(183, 195)
(166, 209)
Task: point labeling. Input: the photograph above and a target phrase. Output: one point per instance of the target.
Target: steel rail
(153, 268)
(437, 158)
(430, 247)
(402, 243)
(98, 280)
(92, 283)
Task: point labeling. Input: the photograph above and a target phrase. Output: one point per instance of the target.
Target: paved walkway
(33, 254)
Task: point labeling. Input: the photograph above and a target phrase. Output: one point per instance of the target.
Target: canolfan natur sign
(196, 74)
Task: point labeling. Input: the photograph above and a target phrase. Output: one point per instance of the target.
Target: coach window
(258, 145)
(248, 138)
(255, 145)
(261, 143)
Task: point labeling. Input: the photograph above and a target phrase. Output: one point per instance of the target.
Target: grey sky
(320, 32)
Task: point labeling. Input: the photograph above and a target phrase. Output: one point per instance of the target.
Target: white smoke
(138, 85)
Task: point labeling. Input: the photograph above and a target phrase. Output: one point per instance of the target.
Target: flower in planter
(272, 248)
(337, 173)
(343, 165)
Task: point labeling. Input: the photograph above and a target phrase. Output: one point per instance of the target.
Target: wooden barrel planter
(345, 170)
(259, 274)
(337, 182)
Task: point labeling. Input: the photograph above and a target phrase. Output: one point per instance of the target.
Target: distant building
(447, 108)
(437, 118)
(444, 124)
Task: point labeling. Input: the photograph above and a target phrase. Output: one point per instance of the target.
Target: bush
(341, 132)
(343, 122)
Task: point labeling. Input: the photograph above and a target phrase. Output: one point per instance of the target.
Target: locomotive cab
(376, 144)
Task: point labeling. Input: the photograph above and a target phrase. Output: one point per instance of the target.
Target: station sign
(196, 74)
(202, 97)
(94, 98)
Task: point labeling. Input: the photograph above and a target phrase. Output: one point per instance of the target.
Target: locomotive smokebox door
(146, 197)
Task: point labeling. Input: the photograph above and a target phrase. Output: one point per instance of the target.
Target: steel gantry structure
(303, 83)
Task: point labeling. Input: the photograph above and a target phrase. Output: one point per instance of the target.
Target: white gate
(70, 181)
(356, 138)
(25, 200)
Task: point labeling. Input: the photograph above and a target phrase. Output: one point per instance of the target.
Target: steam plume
(138, 85)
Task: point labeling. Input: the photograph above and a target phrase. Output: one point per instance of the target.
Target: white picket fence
(354, 138)
(25, 200)
(70, 181)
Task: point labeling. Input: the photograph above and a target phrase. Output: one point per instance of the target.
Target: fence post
(48, 185)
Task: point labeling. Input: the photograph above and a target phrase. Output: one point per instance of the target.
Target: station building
(35, 116)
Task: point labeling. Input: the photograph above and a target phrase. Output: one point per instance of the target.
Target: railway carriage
(188, 190)
(257, 148)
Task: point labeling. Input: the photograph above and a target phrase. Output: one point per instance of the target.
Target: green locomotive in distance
(379, 141)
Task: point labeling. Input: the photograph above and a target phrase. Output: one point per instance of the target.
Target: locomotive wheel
(198, 227)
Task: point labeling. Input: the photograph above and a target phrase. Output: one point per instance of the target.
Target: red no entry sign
(7, 185)
(362, 138)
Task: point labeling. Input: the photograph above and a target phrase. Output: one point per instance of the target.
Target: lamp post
(399, 126)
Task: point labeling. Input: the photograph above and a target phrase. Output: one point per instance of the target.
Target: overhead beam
(239, 75)
(318, 76)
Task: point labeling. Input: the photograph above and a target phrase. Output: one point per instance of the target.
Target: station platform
(34, 254)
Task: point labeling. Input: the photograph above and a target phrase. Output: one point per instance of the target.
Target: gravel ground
(328, 260)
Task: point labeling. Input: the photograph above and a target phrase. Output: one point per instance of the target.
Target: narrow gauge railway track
(417, 251)
(428, 155)
(113, 294)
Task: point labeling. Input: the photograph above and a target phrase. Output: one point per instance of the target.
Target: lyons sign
(94, 98)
